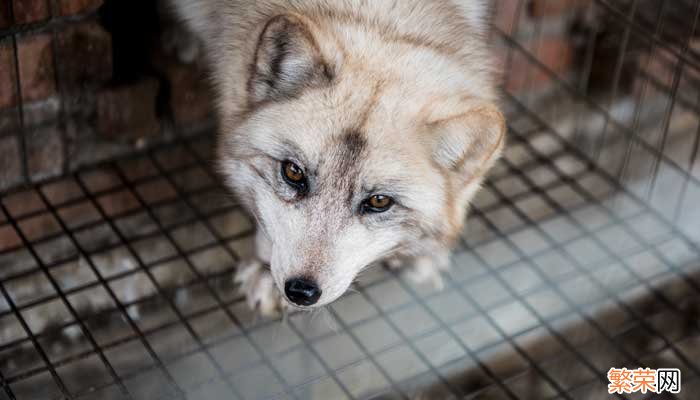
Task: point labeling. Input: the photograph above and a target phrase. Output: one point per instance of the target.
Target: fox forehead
(328, 143)
(371, 115)
(362, 129)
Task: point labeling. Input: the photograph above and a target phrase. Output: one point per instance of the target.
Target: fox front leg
(257, 284)
(429, 269)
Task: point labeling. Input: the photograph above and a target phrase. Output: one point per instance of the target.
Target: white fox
(353, 131)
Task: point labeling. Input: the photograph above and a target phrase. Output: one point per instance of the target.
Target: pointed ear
(287, 60)
(470, 142)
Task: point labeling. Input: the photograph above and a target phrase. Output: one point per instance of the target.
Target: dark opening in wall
(147, 73)
(135, 27)
(136, 100)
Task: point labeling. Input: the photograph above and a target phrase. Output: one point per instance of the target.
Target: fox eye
(294, 176)
(377, 204)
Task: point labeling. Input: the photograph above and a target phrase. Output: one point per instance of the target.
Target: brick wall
(83, 81)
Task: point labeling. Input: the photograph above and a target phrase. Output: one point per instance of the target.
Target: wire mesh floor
(582, 253)
(560, 276)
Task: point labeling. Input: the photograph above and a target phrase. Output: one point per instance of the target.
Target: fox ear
(470, 142)
(287, 60)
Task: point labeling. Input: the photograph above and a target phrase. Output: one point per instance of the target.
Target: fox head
(356, 144)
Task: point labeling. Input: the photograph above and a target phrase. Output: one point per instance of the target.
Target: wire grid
(10, 36)
(570, 265)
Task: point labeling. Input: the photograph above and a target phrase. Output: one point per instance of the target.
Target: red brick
(85, 52)
(44, 153)
(507, 13)
(128, 111)
(551, 8)
(8, 89)
(556, 53)
(28, 11)
(72, 7)
(190, 95)
(36, 67)
(10, 167)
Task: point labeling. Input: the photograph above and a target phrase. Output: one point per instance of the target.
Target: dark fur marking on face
(354, 143)
(351, 145)
(287, 61)
(328, 73)
(281, 44)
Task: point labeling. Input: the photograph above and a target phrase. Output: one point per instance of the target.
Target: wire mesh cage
(581, 252)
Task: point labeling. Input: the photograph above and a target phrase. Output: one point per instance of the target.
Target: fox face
(353, 148)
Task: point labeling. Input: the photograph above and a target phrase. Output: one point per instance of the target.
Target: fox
(352, 131)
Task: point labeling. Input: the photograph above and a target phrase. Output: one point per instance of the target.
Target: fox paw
(429, 270)
(259, 288)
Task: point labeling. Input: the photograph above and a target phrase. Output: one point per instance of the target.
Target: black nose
(302, 292)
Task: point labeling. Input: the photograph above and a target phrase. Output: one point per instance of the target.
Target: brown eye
(294, 175)
(378, 204)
